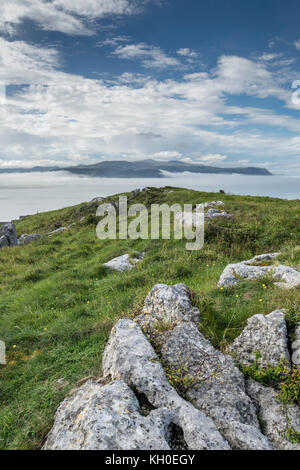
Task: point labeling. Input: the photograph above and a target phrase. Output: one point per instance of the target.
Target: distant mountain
(141, 169)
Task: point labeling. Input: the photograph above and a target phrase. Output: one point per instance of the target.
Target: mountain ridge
(143, 169)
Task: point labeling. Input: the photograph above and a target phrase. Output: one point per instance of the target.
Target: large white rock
(276, 418)
(130, 357)
(108, 417)
(217, 387)
(266, 334)
(123, 263)
(246, 270)
(170, 304)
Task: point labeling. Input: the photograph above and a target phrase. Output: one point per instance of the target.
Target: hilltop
(58, 302)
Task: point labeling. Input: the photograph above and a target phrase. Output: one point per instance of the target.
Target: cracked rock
(275, 417)
(98, 417)
(130, 357)
(245, 270)
(217, 387)
(266, 335)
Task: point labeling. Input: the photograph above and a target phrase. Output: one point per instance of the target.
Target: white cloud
(69, 118)
(114, 41)
(22, 63)
(151, 56)
(165, 155)
(213, 158)
(297, 44)
(72, 17)
(186, 52)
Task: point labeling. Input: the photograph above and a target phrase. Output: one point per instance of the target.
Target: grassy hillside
(58, 303)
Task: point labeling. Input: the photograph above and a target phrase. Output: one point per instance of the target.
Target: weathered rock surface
(234, 273)
(123, 263)
(266, 334)
(217, 386)
(169, 304)
(296, 348)
(8, 235)
(197, 218)
(25, 239)
(276, 418)
(130, 357)
(139, 409)
(288, 277)
(107, 417)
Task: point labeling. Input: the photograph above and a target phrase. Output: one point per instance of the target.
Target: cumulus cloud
(69, 118)
(74, 17)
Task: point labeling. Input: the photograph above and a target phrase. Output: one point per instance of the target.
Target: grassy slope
(58, 303)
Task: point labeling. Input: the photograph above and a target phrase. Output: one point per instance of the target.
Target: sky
(215, 82)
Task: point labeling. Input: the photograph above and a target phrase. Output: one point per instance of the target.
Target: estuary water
(23, 194)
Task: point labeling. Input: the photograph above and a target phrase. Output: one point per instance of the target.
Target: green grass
(58, 303)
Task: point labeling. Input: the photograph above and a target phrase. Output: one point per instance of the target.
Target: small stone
(124, 262)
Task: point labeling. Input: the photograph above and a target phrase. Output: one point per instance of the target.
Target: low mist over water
(23, 194)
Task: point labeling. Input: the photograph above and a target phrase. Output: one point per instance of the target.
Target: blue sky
(198, 81)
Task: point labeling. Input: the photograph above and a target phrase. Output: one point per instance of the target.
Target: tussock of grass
(58, 303)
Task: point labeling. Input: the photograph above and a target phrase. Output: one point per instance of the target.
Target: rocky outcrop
(8, 235)
(25, 238)
(233, 274)
(109, 417)
(124, 262)
(131, 358)
(217, 387)
(276, 418)
(134, 405)
(266, 335)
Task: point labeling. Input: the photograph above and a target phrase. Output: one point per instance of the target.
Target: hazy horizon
(29, 193)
